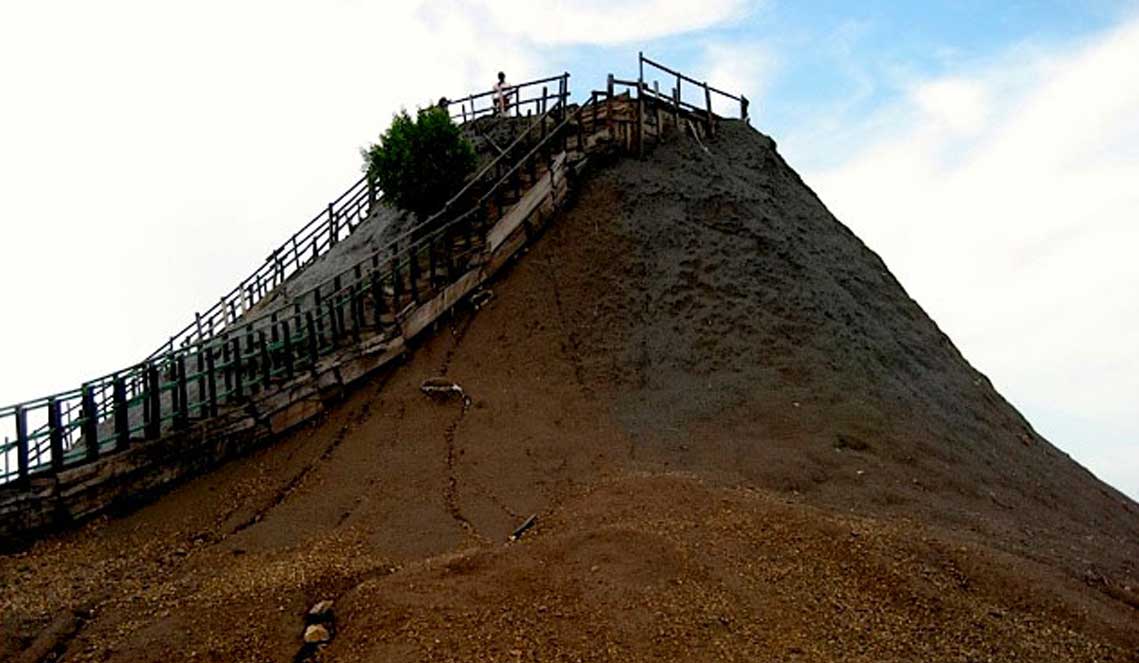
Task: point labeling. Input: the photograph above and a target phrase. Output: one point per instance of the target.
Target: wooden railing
(332, 224)
(532, 96)
(226, 365)
(226, 359)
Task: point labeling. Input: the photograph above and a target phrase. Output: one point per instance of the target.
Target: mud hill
(742, 439)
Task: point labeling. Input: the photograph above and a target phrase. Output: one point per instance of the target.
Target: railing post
(122, 414)
(743, 109)
(377, 298)
(154, 403)
(266, 365)
(708, 104)
(23, 471)
(227, 369)
(332, 229)
(397, 285)
(90, 423)
(656, 106)
(355, 304)
(55, 429)
(641, 114)
(182, 413)
(609, 107)
(211, 382)
(287, 339)
(238, 379)
(676, 107)
(413, 273)
(371, 194)
(313, 350)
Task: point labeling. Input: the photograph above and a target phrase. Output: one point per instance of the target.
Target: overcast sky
(989, 153)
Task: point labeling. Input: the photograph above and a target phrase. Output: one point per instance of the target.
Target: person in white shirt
(502, 92)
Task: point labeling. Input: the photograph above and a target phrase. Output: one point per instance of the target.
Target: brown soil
(743, 441)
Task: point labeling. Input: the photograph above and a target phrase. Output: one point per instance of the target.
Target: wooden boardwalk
(224, 387)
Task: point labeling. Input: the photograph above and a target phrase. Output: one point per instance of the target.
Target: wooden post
(413, 273)
(332, 321)
(237, 370)
(154, 403)
(227, 368)
(354, 310)
(333, 231)
(313, 350)
(656, 104)
(676, 107)
(743, 109)
(371, 194)
(198, 324)
(182, 414)
(90, 423)
(122, 414)
(55, 429)
(449, 253)
(609, 106)
(708, 104)
(200, 379)
(266, 365)
(251, 350)
(377, 298)
(431, 260)
(397, 285)
(211, 382)
(22, 445)
(641, 111)
(287, 340)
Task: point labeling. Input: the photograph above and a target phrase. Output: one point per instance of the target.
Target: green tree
(420, 163)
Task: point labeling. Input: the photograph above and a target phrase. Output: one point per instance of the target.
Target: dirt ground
(742, 441)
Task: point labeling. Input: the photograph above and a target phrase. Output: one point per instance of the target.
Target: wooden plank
(518, 214)
(428, 312)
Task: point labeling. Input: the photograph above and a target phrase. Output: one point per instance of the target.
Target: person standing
(502, 92)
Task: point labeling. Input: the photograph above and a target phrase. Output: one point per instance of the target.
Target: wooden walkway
(264, 371)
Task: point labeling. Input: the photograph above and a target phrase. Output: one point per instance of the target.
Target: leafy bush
(420, 163)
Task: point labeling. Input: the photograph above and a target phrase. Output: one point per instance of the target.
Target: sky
(153, 153)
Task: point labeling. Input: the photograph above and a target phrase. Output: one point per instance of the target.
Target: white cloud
(559, 22)
(957, 104)
(738, 68)
(1005, 200)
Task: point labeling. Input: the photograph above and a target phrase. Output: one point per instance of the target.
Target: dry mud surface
(742, 439)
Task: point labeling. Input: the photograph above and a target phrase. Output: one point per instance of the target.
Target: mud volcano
(741, 438)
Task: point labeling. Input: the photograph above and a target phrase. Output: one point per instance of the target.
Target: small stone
(317, 634)
(322, 611)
